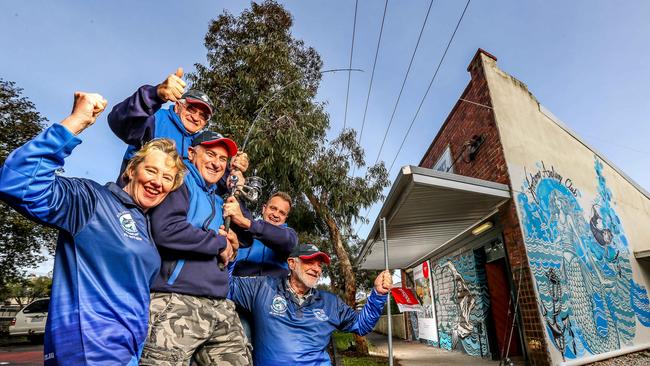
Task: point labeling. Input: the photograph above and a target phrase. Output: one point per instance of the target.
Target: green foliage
(259, 75)
(26, 290)
(20, 239)
(363, 361)
(257, 71)
(342, 341)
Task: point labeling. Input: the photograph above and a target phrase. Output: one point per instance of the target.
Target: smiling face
(276, 210)
(193, 115)
(151, 180)
(210, 161)
(305, 273)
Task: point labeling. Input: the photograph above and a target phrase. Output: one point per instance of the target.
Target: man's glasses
(196, 112)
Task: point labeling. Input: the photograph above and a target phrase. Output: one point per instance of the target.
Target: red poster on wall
(405, 299)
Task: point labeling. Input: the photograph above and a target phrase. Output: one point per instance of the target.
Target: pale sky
(586, 61)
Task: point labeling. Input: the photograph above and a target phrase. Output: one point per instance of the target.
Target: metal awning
(425, 211)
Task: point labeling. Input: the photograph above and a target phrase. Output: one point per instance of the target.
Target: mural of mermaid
(580, 258)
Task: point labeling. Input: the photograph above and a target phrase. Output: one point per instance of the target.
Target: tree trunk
(344, 262)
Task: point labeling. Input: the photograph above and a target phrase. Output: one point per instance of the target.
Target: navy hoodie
(184, 227)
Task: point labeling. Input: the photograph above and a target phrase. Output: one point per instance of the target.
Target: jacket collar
(121, 195)
(176, 119)
(283, 287)
(197, 178)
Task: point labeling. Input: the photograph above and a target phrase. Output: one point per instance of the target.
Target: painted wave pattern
(582, 269)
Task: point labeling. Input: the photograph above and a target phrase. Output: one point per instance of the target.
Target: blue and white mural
(580, 258)
(462, 303)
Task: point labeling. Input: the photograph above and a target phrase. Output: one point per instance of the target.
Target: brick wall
(465, 121)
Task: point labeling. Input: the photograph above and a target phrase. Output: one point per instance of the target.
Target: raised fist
(85, 110)
(173, 87)
(383, 283)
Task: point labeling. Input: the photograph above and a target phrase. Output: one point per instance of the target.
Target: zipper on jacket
(146, 218)
(207, 222)
(171, 269)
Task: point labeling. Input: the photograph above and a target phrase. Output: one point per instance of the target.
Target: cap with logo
(309, 251)
(194, 96)
(209, 138)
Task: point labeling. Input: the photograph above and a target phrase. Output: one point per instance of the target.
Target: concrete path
(416, 354)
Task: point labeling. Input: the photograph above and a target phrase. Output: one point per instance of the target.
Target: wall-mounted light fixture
(482, 228)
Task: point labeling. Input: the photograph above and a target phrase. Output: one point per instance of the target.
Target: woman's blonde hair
(164, 145)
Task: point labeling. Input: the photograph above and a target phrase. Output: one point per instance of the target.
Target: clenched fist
(383, 283)
(229, 253)
(240, 162)
(173, 87)
(85, 110)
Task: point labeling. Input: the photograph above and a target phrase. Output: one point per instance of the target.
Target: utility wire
(372, 76)
(422, 101)
(408, 70)
(347, 94)
(442, 59)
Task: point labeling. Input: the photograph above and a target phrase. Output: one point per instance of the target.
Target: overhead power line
(423, 99)
(347, 94)
(417, 112)
(408, 70)
(372, 76)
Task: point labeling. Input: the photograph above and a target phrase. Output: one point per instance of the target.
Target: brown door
(499, 288)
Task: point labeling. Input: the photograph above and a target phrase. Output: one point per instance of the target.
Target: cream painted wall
(557, 229)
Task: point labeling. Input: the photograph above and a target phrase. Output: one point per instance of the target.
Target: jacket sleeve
(364, 321)
(244, 236)
(280, 239)
(29, 184)
(133, 119)
(243, 290)
(171, 230)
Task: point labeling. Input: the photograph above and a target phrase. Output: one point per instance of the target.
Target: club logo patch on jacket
(320, 315)
(279, 305)
(128, 225)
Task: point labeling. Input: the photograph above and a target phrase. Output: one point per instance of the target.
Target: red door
(499, 288)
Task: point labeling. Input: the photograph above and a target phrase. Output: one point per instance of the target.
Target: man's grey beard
(304, 278)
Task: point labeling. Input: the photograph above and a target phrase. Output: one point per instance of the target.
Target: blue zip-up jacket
(268, 254)
(185, 228)
(104, 261)
(290, 334)
(139, 119)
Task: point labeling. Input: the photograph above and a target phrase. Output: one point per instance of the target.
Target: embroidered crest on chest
(279, 305)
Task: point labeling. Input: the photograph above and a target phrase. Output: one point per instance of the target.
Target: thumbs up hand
(173, 87)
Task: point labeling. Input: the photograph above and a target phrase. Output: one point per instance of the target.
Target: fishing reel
(252, 190)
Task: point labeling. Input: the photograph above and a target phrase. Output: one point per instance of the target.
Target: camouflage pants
(184, 326)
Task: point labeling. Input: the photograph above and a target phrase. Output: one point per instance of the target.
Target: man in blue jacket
(190, 316)
(293, 320)
(140, 117)
(272, 241)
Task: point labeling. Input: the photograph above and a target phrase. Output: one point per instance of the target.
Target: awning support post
(390, 319)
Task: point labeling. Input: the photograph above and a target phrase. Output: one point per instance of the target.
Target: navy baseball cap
(194, 96)
(309, 251)
(209, 138)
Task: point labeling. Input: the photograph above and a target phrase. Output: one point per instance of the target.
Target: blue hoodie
(268, 254)
(140, 119)
(104, 262)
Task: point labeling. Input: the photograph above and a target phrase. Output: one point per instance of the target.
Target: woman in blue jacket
(105, 259)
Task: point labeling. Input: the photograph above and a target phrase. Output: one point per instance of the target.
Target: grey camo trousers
(185, 326)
